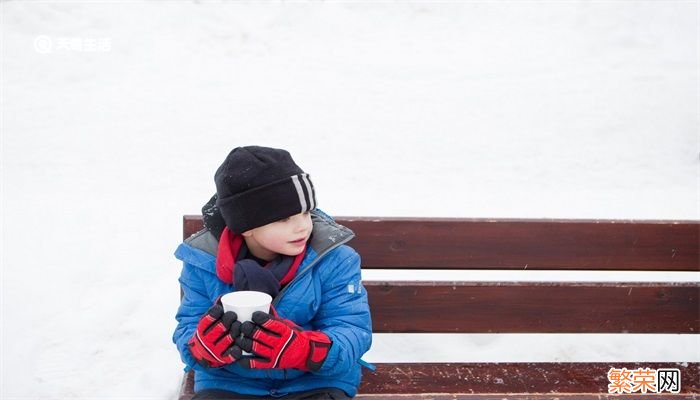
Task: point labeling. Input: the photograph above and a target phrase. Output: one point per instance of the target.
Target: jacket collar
(327, 233)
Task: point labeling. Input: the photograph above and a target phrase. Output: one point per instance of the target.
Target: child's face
(287, 236)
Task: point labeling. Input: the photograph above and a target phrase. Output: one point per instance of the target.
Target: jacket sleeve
(193, 305)
(344, 315)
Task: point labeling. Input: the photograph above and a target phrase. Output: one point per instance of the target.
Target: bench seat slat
(502, 380)
(511, 396)
(494, 378)
(534, 307)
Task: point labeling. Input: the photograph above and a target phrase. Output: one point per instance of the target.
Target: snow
(528, 109)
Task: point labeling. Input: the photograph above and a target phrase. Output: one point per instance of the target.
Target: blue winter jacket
(326, 294)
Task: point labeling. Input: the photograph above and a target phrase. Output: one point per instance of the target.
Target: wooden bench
(521, 307)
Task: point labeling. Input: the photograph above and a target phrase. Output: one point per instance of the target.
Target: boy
(263, 233)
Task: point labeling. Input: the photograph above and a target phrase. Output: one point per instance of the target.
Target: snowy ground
(115, 115)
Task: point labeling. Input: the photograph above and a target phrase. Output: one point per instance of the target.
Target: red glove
(212, 344)
(280, 343)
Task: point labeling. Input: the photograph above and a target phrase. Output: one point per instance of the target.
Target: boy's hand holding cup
(213, 344)
(244, 303)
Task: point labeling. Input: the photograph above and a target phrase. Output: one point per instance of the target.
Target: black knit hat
(259, 185)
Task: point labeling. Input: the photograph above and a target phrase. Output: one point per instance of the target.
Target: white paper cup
(245, 302)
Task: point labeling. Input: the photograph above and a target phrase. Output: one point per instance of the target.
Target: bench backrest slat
(517, 244)
(537, 307)
(453, 243)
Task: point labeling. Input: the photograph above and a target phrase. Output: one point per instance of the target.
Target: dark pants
(317, 394)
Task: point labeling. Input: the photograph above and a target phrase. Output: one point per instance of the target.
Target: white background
(116, 114)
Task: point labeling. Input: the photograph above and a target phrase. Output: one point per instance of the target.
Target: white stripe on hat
(300, 192)
(310, 191)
